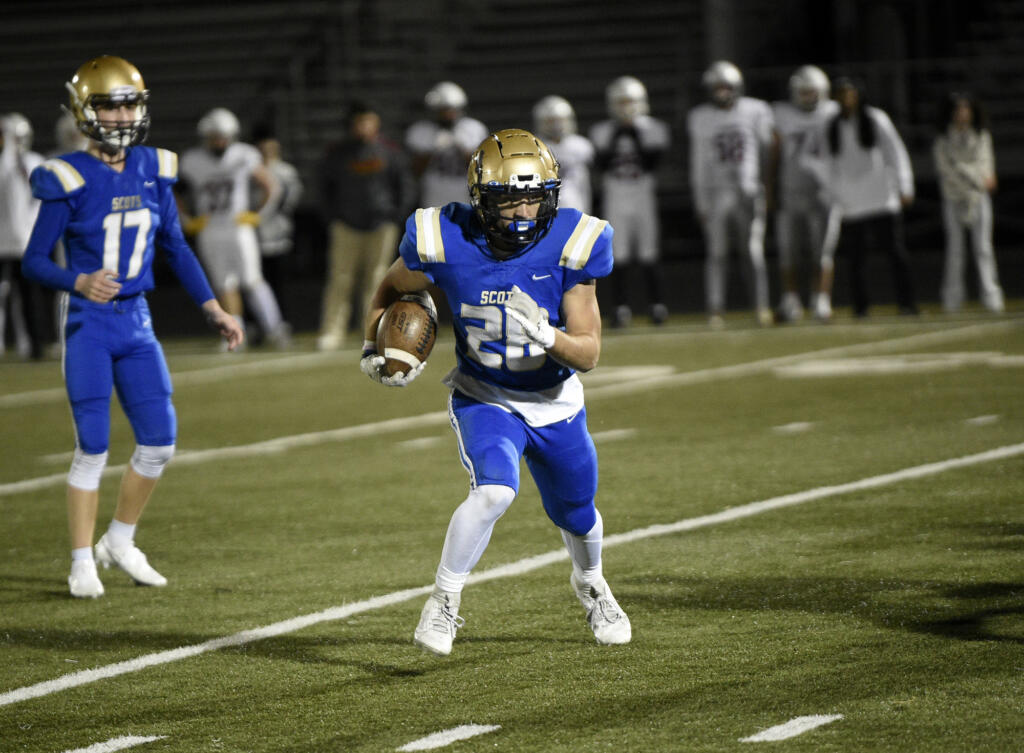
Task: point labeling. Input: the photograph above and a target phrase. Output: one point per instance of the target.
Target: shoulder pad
(55, 179)
(429, 244)
(576, 251)
(167, 164)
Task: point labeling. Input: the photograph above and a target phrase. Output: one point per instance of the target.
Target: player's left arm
(271, 192)
(579, 345)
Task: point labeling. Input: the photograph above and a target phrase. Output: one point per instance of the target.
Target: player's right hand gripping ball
(406, 335)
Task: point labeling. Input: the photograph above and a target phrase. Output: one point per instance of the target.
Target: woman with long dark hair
(872, 182)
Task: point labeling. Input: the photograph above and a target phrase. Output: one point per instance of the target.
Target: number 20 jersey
(448, 245)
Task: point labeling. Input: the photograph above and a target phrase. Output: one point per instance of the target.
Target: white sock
(585, 552)
(120, 534)
(264, 305)
(82, 554)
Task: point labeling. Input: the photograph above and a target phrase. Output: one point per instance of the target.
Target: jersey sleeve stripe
(429, 245)
(168, 163)
(576, 251)
(68, 176)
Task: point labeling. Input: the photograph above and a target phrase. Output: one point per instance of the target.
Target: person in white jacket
(871, 180)
(966, 169)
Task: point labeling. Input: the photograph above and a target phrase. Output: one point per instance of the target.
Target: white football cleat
(438, 622)
(606, 618)
(131, 560)
(84, 581)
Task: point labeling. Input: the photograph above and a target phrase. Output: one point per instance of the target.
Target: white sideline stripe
(449, 736)
(755, 367)
(116, 743)
(631, 385)
(519, 567)
(199, 376)
(792, 728)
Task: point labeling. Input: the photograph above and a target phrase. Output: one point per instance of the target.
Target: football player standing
(112, 204)
(804, 209)
(554, 120)
(441, 144)
(519, 276)
(729, 139)
(214, 201)
(629, 146)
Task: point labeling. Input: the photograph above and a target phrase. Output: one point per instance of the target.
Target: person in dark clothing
(366, 189)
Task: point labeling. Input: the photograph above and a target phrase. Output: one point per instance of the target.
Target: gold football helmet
(509, 165)
(104, 82)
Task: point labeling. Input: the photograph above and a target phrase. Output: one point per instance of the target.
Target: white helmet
(808, 86)
(554, 118)
(67, 135)
(17, 127)
(219, 122)
(446, 95)
(723, 82)
(626, 98)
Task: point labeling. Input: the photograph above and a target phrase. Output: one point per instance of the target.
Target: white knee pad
(86, 470)
(149, 460)
(491, 500)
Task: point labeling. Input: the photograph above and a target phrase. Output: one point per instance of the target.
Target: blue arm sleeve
(37, 264)
(179, 254)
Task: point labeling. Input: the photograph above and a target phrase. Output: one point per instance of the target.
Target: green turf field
(880, 587)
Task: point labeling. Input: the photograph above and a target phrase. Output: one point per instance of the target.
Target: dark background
(294, 66)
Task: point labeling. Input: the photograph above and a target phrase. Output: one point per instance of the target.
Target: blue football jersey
(449, 246)
(111, 220)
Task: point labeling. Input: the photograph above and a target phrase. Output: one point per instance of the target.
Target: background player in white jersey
(215, 202)
(729, 139)
(519, 277)
(554, 120)
(629, 147)
(441, 144)
(113, 204)
(18, 209)
(803, 206)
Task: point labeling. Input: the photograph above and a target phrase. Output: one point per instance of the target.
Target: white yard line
(116, 743)
(792, 728)
(632, 383)
(528, 564)
(201, 376)
(449, 736)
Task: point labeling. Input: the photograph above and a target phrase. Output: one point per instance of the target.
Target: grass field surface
(817, 533)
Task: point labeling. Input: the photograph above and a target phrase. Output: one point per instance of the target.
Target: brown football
(406, 333)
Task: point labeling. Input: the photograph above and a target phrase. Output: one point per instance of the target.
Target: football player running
(112, 204)
(520, 279)
(804, 212)
(729, 138)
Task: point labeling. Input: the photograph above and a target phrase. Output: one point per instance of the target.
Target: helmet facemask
(520, 232)
(108, 83)
(511, 167)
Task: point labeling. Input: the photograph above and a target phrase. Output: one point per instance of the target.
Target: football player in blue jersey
(112, 204)
(520, 280)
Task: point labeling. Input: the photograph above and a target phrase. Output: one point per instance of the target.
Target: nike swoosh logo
(148, 183)
(539, 277)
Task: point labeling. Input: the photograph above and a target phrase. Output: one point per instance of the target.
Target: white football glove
(534, 321)
(372, 364)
